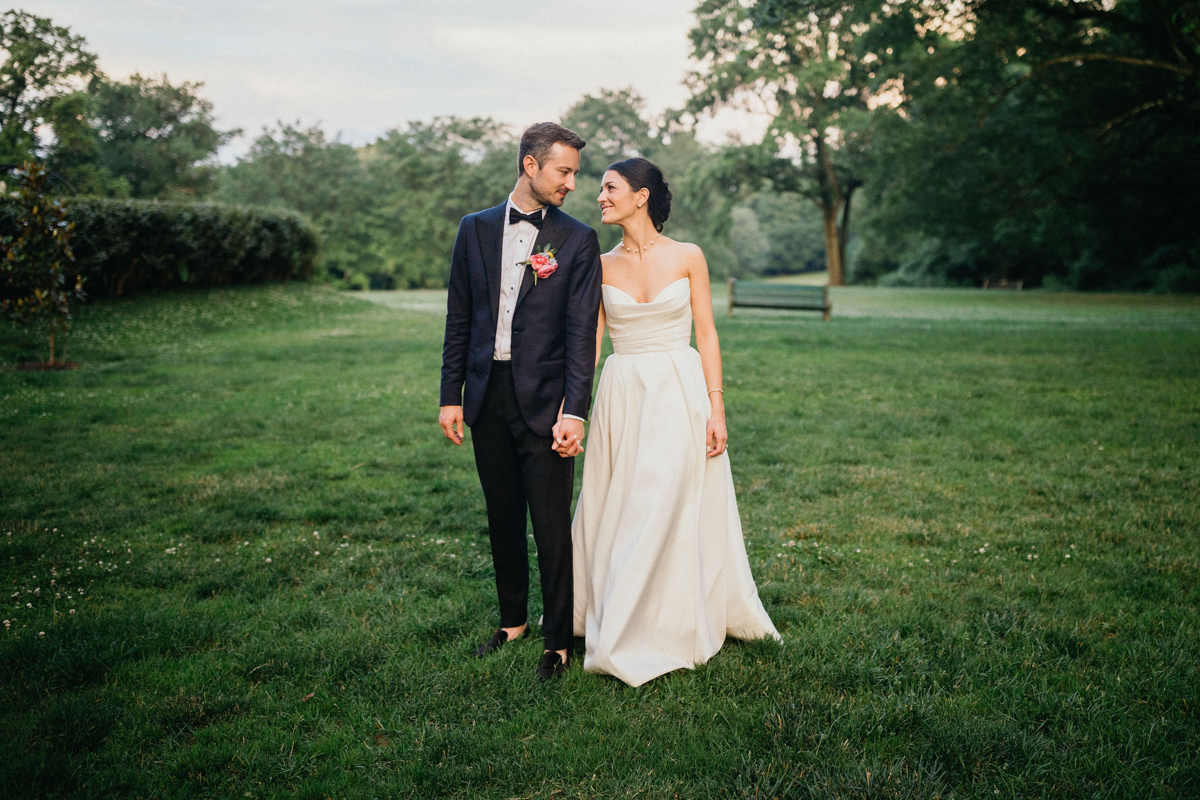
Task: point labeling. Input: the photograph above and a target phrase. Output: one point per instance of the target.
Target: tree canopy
(911, 142)
(141, 138)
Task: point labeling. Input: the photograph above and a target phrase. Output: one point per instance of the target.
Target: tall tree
(43, 63)
(1055, 141)
(157, 138)
(614, 125)
(811, 66)
(429, 176)
(302, 169)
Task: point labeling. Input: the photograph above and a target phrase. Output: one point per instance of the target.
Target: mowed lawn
(241, 561)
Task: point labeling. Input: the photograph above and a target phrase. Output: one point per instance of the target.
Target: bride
(661, 574)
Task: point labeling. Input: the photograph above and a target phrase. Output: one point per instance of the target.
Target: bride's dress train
(661, 574)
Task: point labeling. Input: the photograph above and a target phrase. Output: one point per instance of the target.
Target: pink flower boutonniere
(543, 264)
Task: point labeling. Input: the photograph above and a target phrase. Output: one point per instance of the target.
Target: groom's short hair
(537, 140)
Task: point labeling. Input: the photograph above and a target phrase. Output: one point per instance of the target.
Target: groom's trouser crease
(519, 471)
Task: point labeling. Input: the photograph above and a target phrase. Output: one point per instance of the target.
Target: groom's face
(555, 179)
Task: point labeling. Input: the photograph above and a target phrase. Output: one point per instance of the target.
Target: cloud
(364, 66)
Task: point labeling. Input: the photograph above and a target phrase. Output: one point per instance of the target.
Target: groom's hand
(451, 420)
(568, 437)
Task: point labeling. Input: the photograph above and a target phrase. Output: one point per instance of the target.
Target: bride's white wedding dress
(661, 574)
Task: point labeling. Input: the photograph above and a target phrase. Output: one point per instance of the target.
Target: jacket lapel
(489, 228)
(553, 233)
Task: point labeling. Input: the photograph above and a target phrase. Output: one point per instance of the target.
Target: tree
(811, 66)
(36, 281)
(429, 176)
(301, 169)
(614, 126)
(156, 139)
(43, 63)
(387, 212)
(1055, 142)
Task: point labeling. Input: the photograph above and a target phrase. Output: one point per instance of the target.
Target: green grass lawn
(242, 562)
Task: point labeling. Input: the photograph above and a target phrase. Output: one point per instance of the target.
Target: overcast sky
(360, 67)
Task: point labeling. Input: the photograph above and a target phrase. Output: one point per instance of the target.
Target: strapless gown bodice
(664, 323)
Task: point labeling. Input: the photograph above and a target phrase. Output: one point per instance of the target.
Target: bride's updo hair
(642, 174)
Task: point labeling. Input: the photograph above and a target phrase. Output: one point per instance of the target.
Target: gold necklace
(634, 249)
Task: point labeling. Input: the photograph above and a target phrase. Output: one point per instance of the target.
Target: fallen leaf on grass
(307, 697)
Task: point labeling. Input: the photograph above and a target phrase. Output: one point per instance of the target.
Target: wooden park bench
(1003, 283)
(759, 294)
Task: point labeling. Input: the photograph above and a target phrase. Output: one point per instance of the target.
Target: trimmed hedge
(127, 246)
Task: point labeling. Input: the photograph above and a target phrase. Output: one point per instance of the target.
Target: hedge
(127, 246)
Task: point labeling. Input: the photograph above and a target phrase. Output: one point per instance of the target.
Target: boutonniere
(542, 264)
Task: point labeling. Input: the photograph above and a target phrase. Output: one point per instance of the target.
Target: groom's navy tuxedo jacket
(554, 322)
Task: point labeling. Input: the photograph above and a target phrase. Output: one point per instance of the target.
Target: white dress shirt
(517, 247)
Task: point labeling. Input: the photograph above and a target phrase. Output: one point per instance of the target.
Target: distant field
(243, 563)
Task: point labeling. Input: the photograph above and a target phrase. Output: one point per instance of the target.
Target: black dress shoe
(551, 666)
(498, 640)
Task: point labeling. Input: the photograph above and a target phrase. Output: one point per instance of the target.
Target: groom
(524, 294)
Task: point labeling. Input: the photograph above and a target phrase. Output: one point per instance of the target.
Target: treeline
(389, 211)
(1055, 142)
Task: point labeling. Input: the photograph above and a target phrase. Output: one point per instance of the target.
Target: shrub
(126, 246)
(37, 271)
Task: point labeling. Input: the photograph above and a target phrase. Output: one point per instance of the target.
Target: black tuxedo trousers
(518, 472)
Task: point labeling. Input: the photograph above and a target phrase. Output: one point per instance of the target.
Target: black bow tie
(534, 219)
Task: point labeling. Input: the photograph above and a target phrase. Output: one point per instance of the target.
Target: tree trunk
(52, 332)
(833, 255)
(844, 233)
(831, 198)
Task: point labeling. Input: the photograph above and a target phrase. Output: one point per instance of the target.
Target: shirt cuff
(572, 416)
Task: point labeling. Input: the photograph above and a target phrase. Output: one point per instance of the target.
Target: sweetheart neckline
(648, 302)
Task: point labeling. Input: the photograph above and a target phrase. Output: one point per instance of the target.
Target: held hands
(451, 420)
(568, 436)
(716, 437)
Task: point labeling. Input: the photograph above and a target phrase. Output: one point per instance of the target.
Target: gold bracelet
(722, 391)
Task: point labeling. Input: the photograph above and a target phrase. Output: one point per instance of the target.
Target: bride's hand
(716, 436)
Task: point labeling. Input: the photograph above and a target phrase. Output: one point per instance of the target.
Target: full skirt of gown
(660, 568)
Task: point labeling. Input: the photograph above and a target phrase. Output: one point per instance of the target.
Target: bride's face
(618, 201)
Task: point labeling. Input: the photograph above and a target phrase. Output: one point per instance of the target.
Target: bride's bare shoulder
(690, 255)
(678, 248)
